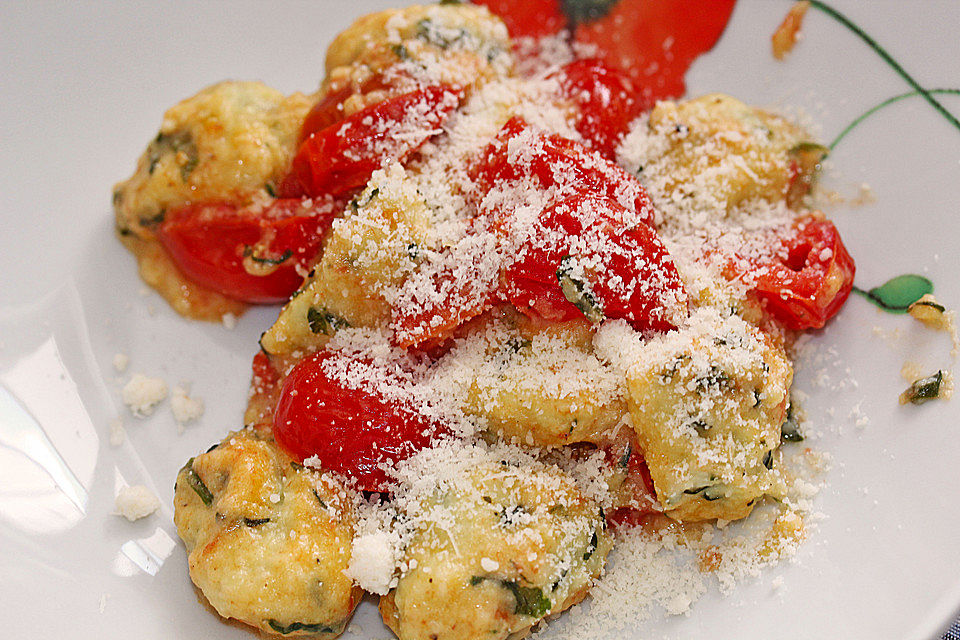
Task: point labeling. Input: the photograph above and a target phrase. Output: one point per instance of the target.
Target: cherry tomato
(522, 154)
(581, 259)
(655, 41)
(606, 99)
(329, 109)
(248, 254)
(351, 430)
(811, 280)
(455, 298)
(528, 18)
(341, 157)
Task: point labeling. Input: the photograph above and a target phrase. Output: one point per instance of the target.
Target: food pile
(527, 306)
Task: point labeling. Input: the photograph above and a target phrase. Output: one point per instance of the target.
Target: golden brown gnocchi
(268, 539)
(495, 548)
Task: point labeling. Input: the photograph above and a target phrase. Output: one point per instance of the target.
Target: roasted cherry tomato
(606, 99)
(523, 154)
(581, 259)
(655, 41)
(529, 18)
(341, 157)
(351, 431)
(250, 254)
(456, 297)
(329, 109)
(811, 280)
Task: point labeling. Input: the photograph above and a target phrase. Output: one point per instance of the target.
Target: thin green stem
(888, 101)
(842, 19)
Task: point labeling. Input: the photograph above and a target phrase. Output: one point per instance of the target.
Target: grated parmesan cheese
(136, 502)
(142, 393)
(120, 362)
(185, 408)
(373, 560)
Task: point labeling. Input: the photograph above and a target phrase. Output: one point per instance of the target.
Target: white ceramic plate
(84, 86)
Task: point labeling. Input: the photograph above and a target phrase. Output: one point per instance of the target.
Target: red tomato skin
(351, 431)
(528, 18)
(341, 157)
(207, 243)
(556, 162)
(326, 112)
(638, 260)
(635, 34)
(431, 324)
(329, 109)
(809, 286)
(606, 99)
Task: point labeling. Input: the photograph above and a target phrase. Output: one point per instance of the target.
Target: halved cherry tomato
(606, 99)
(653, 41)
(581, 259)
(810, 282)
(528, 18)
(656, 41)
(329, 109)
(212, 243)
(521, 153)
(341, 157)
(457, 294)
(352, 431)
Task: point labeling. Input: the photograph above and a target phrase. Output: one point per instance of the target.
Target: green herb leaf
(923, 390)
(325, 322)
(625, 458)
(768, 459)
(413, 251)
(577, 291)
(581, 11)
(790, 429)
(355, 204)
(591, 547)
(517, 345)
(154, 220)
(897, 294)
(197, 484)
(248, 253)
(173, 144)
(705, 492)
(530, 600)
(319, 499)
(716, 378)
(300, 626)
(255, 522)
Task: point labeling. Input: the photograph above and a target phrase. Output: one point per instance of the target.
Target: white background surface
(83, 90)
